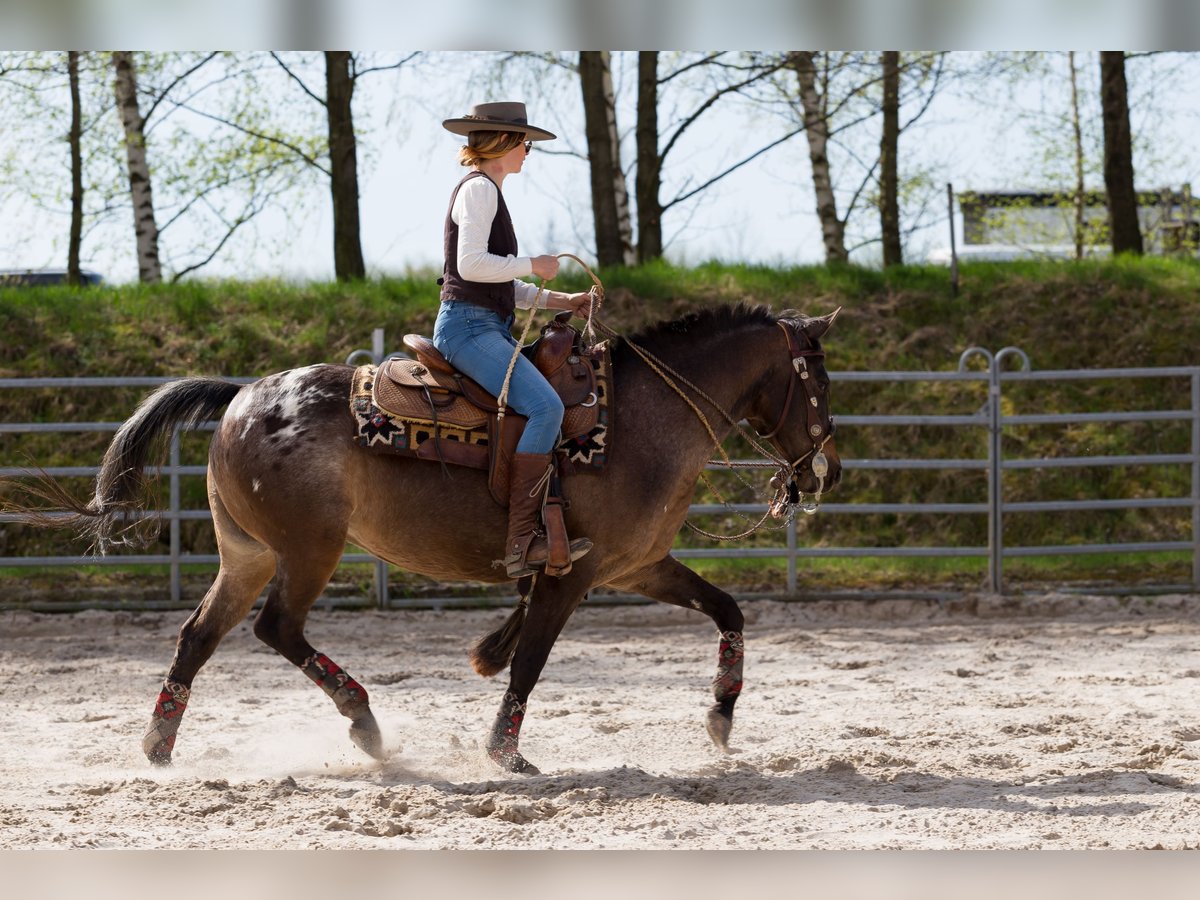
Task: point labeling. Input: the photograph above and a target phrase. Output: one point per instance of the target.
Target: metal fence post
(375, 355)
(997, 457)
(176, 585)
(382, 595)
(992, 409)
(995, 484)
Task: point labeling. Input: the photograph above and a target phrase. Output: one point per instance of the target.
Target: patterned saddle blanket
(423, 408)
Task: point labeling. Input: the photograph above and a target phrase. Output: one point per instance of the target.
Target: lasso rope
(597, 293)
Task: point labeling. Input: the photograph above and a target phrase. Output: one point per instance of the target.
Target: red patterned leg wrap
(159, 740)
(348, 695)
(728, 681)
(506, 734)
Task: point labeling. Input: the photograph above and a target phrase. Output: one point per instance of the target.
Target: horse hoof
(514, 762)
(522, 766)
(159, 759)
(719, 724)
(158, 749)
(525, 767)
(364, 731)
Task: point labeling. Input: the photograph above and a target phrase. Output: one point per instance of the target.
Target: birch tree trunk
(149, 270)
(1118, 154)
(1077, 130)
(343, 167)
(74, 137)
(610, 197)
(816, 127)
(649, 163)
(889, 176)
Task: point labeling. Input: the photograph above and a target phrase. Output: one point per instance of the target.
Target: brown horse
(288, 487)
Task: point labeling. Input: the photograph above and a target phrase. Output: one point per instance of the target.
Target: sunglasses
(528, 146)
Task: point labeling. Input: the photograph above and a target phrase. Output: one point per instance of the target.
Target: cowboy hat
(497, 117)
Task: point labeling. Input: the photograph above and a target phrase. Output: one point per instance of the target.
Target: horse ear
(815, 328)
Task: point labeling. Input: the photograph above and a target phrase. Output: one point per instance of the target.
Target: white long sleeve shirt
(473, 211)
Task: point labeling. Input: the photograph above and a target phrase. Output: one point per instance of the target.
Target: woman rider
(481, 287)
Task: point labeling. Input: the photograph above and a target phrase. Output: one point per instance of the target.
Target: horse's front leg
(672, 582)
(551, 604)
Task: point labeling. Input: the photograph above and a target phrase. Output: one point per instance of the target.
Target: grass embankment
(1096, 314)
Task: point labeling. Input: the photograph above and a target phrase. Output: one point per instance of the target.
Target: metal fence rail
(990, 420)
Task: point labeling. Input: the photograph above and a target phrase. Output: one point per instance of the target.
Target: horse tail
(494, 651)
(114, 514)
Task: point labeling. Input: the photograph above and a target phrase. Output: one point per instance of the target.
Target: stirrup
(517, 565)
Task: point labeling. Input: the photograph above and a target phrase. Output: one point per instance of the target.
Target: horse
(288, 487)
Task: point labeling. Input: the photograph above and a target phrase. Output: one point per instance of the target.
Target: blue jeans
(479, 344)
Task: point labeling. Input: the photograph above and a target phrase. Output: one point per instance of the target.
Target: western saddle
(429, 389)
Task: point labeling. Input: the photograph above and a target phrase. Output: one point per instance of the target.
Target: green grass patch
(943, 573)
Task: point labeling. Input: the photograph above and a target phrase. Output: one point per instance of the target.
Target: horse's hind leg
(302, 575)
(246, 567)
(672, 582)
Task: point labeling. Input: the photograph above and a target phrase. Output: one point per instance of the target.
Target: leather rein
(787, 494)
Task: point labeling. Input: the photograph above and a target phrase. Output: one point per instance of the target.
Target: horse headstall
(816, 429)
(788, 495)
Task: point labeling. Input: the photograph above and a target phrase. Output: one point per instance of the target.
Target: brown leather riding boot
(527, 549)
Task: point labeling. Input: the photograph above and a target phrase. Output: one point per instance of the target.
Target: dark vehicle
(39, 277)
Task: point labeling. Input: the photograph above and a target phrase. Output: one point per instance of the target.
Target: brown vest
(502, 241)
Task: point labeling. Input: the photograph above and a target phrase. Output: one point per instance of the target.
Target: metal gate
(990, 419)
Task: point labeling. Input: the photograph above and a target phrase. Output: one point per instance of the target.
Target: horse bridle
(787, 495)
(819, 432)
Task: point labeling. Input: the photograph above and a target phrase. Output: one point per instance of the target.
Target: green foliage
(226, 138)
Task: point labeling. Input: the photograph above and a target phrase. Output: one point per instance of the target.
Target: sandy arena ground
(1052, 722)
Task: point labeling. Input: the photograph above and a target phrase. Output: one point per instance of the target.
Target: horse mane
(697, 326)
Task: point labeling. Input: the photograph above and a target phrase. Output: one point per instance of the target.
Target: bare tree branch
(356, 75)
(217, 249)
(565, 62)
(707, 104)
(930, 93)
(733, 168)
(161, 95)
(862, 186)
(704, 61)
(296, 78)
(262, 172)
(251, 210)
(182, 104)
(258, 134)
